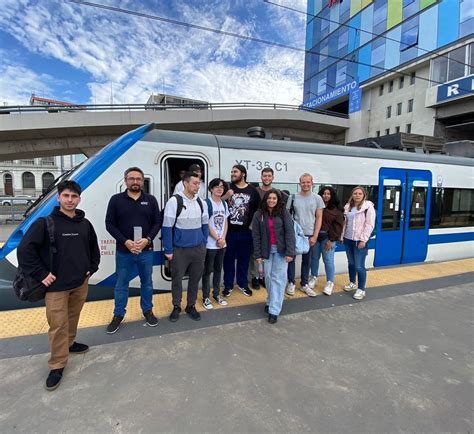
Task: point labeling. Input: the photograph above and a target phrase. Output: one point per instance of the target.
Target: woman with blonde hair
(359, 214)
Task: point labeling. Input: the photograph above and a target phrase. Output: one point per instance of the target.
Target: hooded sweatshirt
(77, 251)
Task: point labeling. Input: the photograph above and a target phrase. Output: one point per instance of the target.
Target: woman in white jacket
(359, 214)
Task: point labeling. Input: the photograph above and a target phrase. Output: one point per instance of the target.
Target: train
(424, 202)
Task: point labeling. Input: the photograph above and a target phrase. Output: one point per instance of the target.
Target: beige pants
(62, 311)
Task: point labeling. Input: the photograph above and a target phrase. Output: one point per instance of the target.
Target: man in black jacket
(75, 259)
(134, 219)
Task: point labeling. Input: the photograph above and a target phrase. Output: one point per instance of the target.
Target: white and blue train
(425, 203)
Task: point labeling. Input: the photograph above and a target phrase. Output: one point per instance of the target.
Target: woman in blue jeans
(274, 247)
(359, 223)
(330, 233)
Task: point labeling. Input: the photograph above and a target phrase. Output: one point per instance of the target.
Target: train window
(418, 207)
(391, 209)
(452, 207)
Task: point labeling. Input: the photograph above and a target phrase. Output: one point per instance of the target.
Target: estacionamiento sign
(352, 87)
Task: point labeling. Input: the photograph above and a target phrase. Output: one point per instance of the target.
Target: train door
(172, 167)
(403, 221)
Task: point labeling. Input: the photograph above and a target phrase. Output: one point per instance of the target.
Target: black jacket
(76, 245)
(284, 234)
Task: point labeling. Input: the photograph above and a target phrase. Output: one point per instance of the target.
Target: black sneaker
(114, 324)
(77, 348)
(266, 308)
(54, 379)
(255, 283)
(246, 291)
(193, 313)
(175, 314)
(151, 319)
(227, 292)
(272, 319)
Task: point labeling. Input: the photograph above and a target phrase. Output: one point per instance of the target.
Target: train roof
(200, 139)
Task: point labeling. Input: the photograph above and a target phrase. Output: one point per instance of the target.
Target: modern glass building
(364, 39)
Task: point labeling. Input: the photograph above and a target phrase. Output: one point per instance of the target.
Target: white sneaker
(207, 304)
(309, 292)
(350, 287)
(328, 288)
(359, 294)
(312, 282)
(290, 288)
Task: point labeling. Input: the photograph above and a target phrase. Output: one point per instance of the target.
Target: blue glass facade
(374, 35)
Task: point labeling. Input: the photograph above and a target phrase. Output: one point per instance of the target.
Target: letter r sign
(453, 89)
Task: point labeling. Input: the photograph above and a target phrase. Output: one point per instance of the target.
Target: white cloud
(137, 54)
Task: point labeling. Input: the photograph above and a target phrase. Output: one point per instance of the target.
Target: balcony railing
(141, 107)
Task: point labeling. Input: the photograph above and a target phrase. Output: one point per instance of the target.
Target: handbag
(27, 288)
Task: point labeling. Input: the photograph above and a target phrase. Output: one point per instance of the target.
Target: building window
(341, 74)
(402, 81)
(409, 38)
(322, 85)
(343, 40)
(457, 60)
(410, 106)
(381, 90)
(377, 133)
(380, 16)
(387, 131)
(397, 129)
(399, 109)
(412, 78)
(378, 55)
(28, 180)
(389, 112)
(390, 86)
(48, 179)
(408, 129)
(452, 65)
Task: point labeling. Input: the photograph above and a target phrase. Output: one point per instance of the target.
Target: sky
(69, 52)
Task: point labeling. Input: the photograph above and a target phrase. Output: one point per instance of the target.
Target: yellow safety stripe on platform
(32, 321)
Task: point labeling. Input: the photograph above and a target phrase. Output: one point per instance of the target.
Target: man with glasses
(133, 218)
(195, 168)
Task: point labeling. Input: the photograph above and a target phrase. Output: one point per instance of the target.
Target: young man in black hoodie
(76, 258)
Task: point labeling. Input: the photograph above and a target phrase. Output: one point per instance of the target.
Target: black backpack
(26, 288)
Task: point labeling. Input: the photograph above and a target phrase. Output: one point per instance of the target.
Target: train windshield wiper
(50, 188)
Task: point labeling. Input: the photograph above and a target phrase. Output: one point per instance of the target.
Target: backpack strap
(292, 203)
(201, 205)
(209, 207)
(179, 207)
(52, 245)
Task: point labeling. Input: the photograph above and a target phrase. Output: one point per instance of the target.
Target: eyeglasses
(219, 186)
(135, 179)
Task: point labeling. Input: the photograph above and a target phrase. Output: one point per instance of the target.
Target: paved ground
(396, 364)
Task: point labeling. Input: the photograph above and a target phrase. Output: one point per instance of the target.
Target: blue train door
(403, 216)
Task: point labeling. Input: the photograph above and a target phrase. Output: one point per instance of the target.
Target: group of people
(245, 231)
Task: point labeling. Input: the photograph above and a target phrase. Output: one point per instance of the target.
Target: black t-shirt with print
(242, 206)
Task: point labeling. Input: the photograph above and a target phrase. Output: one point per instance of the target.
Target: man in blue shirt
(133, 218)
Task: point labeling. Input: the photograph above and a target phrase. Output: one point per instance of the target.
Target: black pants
(190, 260)
(213, 264)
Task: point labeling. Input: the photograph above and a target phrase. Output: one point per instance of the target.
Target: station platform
(401, 360)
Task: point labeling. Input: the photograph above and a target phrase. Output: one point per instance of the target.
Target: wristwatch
(149, 240)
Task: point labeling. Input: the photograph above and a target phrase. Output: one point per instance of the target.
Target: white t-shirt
(217, 220)
(179, 188)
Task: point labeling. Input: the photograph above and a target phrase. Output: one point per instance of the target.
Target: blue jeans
(239, 248)
(305, 265)
(356, 259)
(328, 259)
(275, 279)
(126, 265)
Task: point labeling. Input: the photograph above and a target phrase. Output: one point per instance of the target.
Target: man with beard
(267, 176)
(243, 202)
(65, 271)
(133, 218)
